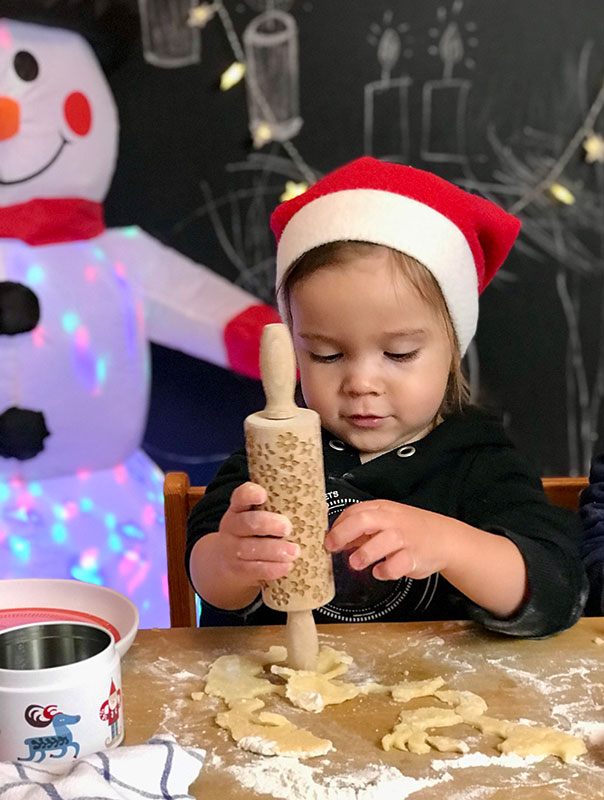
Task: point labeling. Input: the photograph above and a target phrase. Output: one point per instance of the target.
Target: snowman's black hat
(110, 26)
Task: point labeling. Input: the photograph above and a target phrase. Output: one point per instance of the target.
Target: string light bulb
(263, 134)
(201, 15)
(594, 148)
(293, 189)
(562, 194)
(231, 76)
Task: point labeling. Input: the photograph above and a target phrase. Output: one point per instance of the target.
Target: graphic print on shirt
(359, 596)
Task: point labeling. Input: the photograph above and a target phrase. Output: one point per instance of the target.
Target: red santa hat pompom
(460, 237)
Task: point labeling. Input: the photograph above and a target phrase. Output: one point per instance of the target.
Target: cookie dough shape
(528, 740)
(409, 690)
(269, 734)
(467, 704)
(411, 731)
(312, 691)
(237, 677)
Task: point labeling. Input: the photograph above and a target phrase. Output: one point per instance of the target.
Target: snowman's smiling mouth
(35, 174)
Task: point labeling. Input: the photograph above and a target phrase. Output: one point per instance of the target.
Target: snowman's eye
(26, 66)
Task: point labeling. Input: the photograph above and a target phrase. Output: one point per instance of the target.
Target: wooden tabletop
(557, 682)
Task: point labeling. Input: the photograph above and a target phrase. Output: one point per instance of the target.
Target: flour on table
(287, 778)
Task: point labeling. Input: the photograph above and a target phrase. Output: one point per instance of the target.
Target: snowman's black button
(22, 433)
(19, 308)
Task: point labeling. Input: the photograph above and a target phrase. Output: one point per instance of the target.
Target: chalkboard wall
(501, 98)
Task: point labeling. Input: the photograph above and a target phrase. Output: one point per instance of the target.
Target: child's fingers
(395, 566)
(263, 523)
(254, 573)
(247, 496)
(256, 548)
(377, 547)
(346, 530)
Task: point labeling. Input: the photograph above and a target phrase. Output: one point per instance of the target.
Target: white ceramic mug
(60, 691)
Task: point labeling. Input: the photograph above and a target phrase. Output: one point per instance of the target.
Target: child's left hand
(404, 540)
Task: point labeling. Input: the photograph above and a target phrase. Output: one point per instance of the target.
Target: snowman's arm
(191, 308)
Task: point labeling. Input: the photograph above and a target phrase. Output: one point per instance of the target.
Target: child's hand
(405, 540)
(252, 543)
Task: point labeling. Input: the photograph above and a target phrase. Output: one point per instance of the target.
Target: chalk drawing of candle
(272, 74)
(168, 41)
(386, 114)
(445, 101)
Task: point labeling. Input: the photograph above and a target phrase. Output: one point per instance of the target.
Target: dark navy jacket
(592, 515)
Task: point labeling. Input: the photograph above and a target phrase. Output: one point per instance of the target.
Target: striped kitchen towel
(160, 769)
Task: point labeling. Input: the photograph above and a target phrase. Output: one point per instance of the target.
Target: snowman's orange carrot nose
(10, 114)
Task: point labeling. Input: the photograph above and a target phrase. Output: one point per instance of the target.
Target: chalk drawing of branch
(572, 238)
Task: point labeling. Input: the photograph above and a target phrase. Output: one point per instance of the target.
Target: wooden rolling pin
(283, 444)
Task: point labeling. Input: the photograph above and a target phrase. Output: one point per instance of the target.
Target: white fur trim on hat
(390, 219)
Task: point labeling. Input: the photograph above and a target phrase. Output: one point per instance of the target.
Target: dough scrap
(411, 731)
(467, 704)
(446, 744)
(240, 680)
(234, 677)
(268, 733)
(528, 740)
(408, 690)
(312, 691)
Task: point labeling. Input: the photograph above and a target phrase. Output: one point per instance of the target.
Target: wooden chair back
(565, 491)
(180, 497)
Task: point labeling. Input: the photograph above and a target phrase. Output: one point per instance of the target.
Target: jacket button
(19, 308)
(406, 451)
(348, 475)
(336, 444)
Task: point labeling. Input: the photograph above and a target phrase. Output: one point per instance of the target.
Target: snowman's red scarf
(42, 221)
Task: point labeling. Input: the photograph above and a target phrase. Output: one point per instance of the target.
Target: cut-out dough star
(594, 148)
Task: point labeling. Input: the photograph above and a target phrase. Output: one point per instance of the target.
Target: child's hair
(457, 394)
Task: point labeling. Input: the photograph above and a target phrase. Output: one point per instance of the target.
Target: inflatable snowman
(78, 306)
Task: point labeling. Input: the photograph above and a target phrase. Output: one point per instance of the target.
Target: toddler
(433, 513)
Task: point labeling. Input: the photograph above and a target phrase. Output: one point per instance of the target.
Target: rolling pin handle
(278, 370)
(301, 640)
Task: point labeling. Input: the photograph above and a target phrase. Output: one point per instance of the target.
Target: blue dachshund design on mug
(41, 717)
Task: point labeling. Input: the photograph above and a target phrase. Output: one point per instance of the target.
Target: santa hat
(461, 238)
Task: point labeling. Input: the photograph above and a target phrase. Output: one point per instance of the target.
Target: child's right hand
(253, 543)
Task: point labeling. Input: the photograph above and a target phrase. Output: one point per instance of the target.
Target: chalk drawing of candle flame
(386, 117)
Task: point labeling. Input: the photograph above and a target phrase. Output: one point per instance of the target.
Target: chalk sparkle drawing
(40, 717)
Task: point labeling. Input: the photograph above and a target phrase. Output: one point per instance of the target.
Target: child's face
(374, 356)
